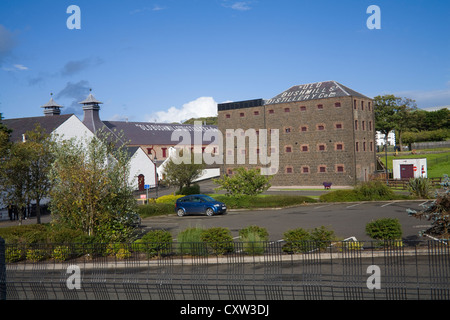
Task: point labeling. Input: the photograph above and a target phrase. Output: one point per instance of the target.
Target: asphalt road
(345, 219)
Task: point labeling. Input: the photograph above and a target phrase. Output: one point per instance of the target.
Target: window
(371, 145)
(368, 106)
(339, 146)
(320, 106)
(364, 146)
(287, 130)
(228, 116)
(289, 170)
(242, 114)
(320, 127)
(370, 125)
(287, 110)
(321, 147)
(304, 148)
(304, 129)
(271, 111)
(305, 169)
(322, 169)
(164, 152)
(302, 108)
(356, 124)
(288, 149)
(340, 168)
(337, 104)
(362, 105)
(256, 113)
(357, 146)
(338, 126)
(363, 125)
(354, 104)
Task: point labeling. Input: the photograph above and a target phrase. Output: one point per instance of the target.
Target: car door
(197, 204)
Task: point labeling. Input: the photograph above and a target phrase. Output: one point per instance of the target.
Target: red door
(141, 182)
(406, 171)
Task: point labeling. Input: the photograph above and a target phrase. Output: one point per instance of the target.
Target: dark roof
(21, 125)
(313, 91)
(147, 133)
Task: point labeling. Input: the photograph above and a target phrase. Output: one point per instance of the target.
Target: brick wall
(319, 140)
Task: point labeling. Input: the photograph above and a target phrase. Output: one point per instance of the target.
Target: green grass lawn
(438, 163)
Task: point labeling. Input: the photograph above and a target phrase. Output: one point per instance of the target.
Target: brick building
(326, 134)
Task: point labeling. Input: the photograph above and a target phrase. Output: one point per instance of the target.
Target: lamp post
(385, 154)
(156, 177)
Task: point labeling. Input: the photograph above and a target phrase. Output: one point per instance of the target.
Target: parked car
(199, 203)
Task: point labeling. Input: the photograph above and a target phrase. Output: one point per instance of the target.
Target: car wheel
(209, 212)
(180, 212)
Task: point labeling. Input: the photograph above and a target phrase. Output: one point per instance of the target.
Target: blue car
(199, 204)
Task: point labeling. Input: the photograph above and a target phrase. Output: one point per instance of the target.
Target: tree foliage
(182, 173)
(393, 113)
(244, 182)
(24, 169)
(90, 187)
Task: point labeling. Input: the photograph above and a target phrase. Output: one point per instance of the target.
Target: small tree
(243, 182)
(90, 187)
(182, 173)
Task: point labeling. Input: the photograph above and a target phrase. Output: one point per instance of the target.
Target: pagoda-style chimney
(91, 108)
(51, 108)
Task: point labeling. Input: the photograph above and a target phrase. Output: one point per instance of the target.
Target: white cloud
(431, 98)
(201, 107)
(20, 67)
(240, 6)
(16, 67)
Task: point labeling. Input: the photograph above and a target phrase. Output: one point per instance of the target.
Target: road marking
(354, 205)
(323, 206)
(388, 204)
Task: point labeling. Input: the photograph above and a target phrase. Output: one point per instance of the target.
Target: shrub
(171, 199)
(300, 240)
(384, 229)
(13, 254)
(244, 182)
(61, 253)
(190, 242)
(36, 255)
(218, 239)
(374, 190)
(194, 189)
(254, 239)
(154, 242)
(155, 209)
(419, 187)
(253, 243)
(297, 240)
(261, 232)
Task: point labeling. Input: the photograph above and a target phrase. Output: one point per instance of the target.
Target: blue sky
(168, 60)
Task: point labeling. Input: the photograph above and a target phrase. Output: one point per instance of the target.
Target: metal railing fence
(227, 271)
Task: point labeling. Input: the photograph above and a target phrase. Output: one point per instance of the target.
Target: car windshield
(208, 198)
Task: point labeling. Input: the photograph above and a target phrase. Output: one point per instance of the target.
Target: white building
(380, 138)
(409, 168)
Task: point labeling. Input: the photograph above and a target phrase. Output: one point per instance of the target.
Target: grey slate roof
(21, 125)
(147, 133)
(90, 100)
(312, 91)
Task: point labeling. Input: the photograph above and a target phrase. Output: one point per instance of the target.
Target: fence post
(2, 269)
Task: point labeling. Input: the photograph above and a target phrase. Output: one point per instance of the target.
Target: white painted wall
(141, 164)
(420, 164)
